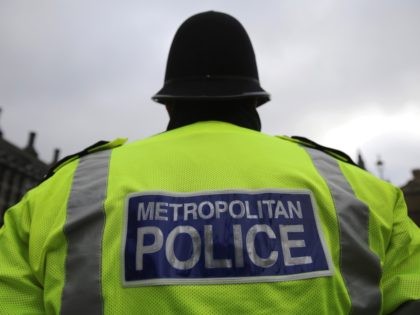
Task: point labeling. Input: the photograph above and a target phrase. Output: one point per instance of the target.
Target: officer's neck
(243, 115)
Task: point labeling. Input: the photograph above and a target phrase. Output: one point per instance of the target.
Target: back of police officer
(212, 216)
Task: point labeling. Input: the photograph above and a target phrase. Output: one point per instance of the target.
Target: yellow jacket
(210, 218)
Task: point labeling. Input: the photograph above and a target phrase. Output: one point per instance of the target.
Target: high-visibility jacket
(210, 218)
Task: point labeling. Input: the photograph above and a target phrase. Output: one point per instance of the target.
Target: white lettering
(280, 210)
(269, 204)
(249, 215)
(241, 209)
(210, 262)
(238, 244)
(145, 213)
(260, 210)
(210, 207)
(161, 214)
(176, 207)
(147, 249)
(221, 206)
(250, 245)
(287, 244)
(196, 248)
(190, 209)
(296, 209)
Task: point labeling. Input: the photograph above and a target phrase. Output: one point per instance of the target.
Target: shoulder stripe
(359, 266)
(98, 146)
(82, 293)
(330, 151)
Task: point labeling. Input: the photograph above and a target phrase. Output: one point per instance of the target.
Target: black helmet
(211, 58)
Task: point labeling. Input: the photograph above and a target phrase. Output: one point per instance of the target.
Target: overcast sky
(343, 73)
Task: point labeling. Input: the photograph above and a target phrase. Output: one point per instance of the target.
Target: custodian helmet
(211, 57)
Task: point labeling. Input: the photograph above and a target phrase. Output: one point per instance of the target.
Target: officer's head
(211, 61)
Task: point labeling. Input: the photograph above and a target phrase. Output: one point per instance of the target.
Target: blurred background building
(411, 192)
(20, 170)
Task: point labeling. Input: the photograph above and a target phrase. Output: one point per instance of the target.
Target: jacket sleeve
(401, 270)
(20, 291)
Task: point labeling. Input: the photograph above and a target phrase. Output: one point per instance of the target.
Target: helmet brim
(217, 88)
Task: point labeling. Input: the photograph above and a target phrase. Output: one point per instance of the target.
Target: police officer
(211, 217)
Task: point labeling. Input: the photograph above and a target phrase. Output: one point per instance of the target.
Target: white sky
(343, 73)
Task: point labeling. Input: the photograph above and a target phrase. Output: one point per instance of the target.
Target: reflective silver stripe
(82, 293)
(359, 266)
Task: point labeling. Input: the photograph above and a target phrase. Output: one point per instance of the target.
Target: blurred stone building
(20, 170)
(411, 192)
